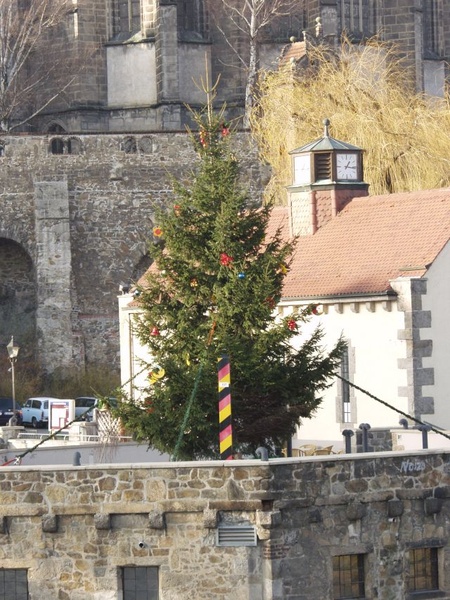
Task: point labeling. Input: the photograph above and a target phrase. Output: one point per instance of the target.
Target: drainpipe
(424, 429)
(262, 453)
(365, 436)
(348, 434)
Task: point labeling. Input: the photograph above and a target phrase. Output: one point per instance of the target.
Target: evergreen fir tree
(212, 290)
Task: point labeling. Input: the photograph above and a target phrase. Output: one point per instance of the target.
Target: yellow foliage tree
(366, 94)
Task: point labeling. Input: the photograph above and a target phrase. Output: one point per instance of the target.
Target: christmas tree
(212, 290)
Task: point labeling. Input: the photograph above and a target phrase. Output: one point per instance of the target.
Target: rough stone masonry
(76, 225)
(74, 529)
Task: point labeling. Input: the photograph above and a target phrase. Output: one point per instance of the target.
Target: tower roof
(326, 142)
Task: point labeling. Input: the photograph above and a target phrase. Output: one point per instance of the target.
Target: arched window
(191, 19)
(57, 146)
(74, 146)
(128, 145)
(56, 128)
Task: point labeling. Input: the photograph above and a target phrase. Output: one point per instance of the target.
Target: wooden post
(225, 427)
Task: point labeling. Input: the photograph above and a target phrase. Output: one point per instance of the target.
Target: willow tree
(367, 94)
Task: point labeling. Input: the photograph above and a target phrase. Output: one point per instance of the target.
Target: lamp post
(13, 351)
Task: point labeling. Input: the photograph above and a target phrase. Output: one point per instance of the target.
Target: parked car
(35, 412)
(82, 404)
(6, 411)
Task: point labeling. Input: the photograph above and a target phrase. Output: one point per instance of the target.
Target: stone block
(422, 318)
(315, 516)
(395, 508)
(442, 492)
(210, 518)
(356, 511)
(3, 525)
(156, 520)
(102, 521)
(50, 523)
(268, 519)
(433, 506)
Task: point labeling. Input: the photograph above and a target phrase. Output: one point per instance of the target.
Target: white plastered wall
(133, 356)
(437, 300)
(371, 328)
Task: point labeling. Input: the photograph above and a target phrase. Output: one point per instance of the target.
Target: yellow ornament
(157, 373)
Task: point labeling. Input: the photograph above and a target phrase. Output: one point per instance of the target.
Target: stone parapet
(83, 524)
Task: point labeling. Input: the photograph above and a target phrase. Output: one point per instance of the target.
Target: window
(191, 19)
(423, 570)
(357, 17)
(348, 576)
(140, 583)
(128, 145)
(126, 18)
(57, 146)
(13, 584)
(432, 28)
(345, 388)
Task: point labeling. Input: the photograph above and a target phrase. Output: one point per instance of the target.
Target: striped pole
(225, 428)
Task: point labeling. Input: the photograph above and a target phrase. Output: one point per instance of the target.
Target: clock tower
(327, 175)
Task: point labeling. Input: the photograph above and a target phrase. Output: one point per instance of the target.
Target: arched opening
(18, 305)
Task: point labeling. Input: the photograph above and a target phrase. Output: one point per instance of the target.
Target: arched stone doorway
(18, 303)
(17, 294)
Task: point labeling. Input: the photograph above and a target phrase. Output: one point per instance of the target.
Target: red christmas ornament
(317, 309)
(292, 324)
(225, 259)
(157, 231)
(154, 332)
(176, 210)
(225, 129)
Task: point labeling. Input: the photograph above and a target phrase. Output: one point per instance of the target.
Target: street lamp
(13, 351)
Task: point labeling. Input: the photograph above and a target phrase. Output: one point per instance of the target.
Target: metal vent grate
(240, 535)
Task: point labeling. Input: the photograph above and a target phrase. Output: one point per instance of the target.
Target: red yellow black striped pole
(225, 427)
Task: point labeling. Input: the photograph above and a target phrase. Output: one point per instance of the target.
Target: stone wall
(75, 528)
(78, 225)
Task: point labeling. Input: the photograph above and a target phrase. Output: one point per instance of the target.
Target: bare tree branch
(35, 66)
(250, 17)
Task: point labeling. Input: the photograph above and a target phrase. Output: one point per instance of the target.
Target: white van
(82, 406)
(35, 412)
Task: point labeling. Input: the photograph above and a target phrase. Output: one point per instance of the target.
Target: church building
(141, 61)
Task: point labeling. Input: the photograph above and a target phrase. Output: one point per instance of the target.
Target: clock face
(302, 169)
(347, 166)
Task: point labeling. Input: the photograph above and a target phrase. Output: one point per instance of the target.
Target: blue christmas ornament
(241, 275)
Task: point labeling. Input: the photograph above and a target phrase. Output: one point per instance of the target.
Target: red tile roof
(293, 53)
(373, 240)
